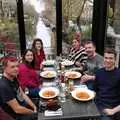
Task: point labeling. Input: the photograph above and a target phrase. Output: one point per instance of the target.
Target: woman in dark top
(37, 47)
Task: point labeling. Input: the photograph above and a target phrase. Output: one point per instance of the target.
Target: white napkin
(53, 113)
(48, 84)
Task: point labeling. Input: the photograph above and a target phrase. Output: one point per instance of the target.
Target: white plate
(48, 74)
(67, 63)
(90, 93)
(49, 89)
(48, 62)
(73, 74)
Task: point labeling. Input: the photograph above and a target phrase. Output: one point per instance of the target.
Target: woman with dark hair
(27, 75)
(37, 47)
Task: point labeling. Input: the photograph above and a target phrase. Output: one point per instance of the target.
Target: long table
(75, 110)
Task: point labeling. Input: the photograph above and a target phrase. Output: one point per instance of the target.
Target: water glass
(62, 97)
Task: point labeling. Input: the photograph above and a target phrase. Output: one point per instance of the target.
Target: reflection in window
(77, 17)
(113, 27)
(40, 22)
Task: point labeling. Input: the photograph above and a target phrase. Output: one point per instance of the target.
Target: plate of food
(48, 74)
(48, 62)
(73, 74)
(67, 63)
(49, 92)
(83, 94)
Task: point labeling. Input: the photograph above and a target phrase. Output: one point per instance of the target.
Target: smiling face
(90, 50)
(11, 69)
(29, 56)
(109, 61)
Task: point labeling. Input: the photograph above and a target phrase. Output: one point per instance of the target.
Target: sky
(38, 4)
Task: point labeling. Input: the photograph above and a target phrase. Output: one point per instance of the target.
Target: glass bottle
(71, 85)
(62, 77)
(62, 71)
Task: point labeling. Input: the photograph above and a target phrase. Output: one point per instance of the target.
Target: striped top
(78, 56)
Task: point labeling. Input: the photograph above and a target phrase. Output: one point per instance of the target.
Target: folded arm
(112, 111)
(17, 108)
(28, 101)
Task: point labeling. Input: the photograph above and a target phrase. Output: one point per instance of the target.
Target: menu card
(57, 112)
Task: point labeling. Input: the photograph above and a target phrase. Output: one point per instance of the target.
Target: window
(40, 22)
(113, 27)
(76, 17)
(9, 37)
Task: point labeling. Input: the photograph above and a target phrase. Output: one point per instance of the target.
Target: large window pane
(113, 27)
(40, 22)
(77, 17)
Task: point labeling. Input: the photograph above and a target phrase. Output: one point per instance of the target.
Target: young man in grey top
(94, 62)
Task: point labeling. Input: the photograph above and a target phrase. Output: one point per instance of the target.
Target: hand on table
(78, 64)
(87, 77)
(35, 109)
(112, 111)
(109, 111)
(41, 67)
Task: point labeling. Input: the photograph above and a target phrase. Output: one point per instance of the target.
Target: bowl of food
(82, 94)
(67, 63)
(49, 92)
(48, 63)
(48, 74)
(73, 74)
